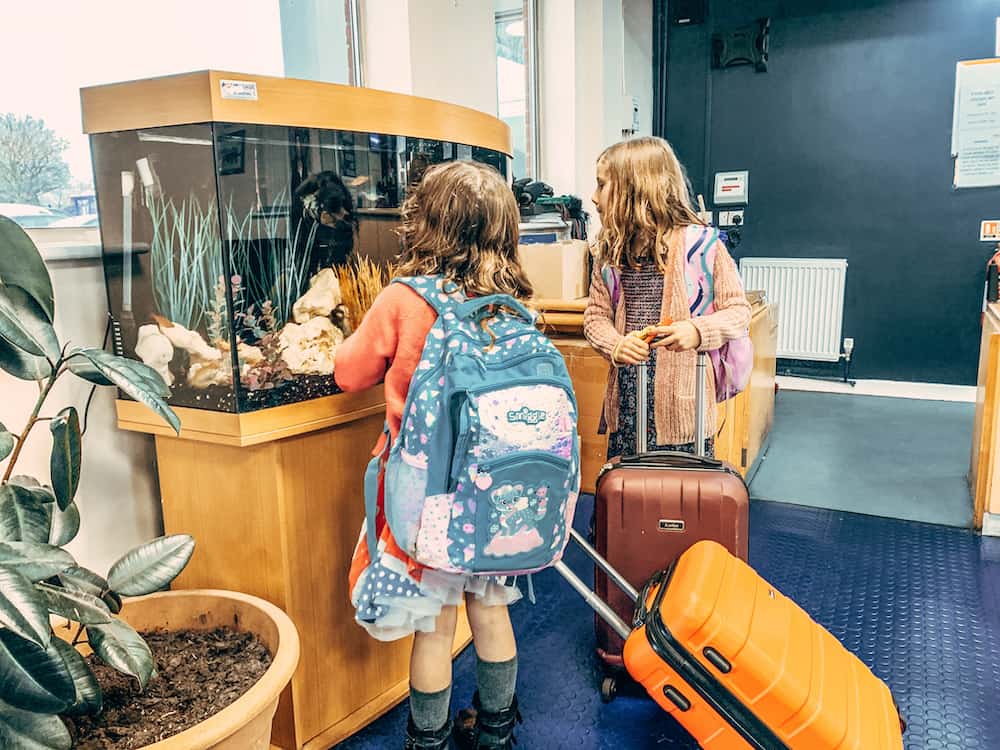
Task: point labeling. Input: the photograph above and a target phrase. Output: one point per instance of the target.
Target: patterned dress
(642, 289)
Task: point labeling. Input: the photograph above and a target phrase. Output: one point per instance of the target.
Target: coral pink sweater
(387, 345)
(675, 371)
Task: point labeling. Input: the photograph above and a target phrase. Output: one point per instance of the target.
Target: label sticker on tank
(246, 90)
(667, 524)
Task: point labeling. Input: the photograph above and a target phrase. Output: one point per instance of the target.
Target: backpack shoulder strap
(434, 292)
(699, 267)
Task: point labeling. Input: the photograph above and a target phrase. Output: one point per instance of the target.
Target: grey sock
(496, 682)
(430, 711)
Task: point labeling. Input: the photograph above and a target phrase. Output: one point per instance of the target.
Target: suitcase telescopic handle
(642, 406)
(597, 604)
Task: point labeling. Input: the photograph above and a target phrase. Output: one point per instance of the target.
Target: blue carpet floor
(890, 457)
(918, 603)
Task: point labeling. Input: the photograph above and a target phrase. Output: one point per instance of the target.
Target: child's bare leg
(430, 673)
(491, 631)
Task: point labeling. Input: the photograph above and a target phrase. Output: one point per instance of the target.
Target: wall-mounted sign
(975, 135)
(732, 188)
(989, 231)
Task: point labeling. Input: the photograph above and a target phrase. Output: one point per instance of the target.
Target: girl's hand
(679, 337)
(631, 350)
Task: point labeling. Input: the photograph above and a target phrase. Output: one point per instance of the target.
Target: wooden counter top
(256, 427)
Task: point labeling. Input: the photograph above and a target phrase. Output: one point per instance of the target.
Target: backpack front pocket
(521, 502)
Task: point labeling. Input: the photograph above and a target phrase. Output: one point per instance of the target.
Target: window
(46, 177)
(516, 80)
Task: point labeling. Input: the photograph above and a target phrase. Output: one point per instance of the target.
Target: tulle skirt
(395, 597)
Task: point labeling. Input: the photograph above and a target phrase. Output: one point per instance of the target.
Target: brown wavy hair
(462, 222)
(649, 196)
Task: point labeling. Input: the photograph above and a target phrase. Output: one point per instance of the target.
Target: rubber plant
(42, 675)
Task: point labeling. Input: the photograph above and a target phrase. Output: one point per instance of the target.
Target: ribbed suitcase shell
(801, 688)
(639, 496)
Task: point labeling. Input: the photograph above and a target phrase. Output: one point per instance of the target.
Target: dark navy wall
(847, 139)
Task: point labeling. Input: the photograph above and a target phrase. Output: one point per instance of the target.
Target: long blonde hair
(462, 222)
(648, 197)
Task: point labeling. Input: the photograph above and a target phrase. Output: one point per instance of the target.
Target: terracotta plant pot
(246, 723)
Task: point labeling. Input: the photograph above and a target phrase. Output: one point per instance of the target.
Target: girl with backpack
(663, 288)
(477, 473)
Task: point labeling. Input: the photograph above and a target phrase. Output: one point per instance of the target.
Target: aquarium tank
(239, 256)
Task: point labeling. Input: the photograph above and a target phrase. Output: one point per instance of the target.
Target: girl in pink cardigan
(648, 224)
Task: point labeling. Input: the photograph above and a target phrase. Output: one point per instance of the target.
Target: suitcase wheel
(609, 689)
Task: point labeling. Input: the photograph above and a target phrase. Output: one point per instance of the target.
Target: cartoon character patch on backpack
(485, 473)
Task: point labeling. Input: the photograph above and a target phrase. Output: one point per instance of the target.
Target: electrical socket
(730, 218)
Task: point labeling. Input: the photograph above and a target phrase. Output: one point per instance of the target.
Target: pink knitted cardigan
(674, 410)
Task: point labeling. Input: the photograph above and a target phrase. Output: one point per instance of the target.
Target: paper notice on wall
(975, 136)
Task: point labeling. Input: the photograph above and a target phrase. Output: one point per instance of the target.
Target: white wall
(638, 16)
(385, 45)
(440, 49)
(453, 52)
(118, 495)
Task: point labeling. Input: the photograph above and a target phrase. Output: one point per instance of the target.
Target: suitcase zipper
(616, 465)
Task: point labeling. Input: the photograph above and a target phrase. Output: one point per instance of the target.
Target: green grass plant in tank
(186, 257)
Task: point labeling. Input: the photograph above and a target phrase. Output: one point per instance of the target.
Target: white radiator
(810, 298)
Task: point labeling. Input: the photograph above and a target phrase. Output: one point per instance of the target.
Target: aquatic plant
(272, 371)
(186, 258)
(360, 284)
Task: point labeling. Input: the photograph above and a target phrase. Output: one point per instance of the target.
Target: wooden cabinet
(745, 421)
(274, 501)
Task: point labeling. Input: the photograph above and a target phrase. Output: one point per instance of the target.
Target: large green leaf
(65, 525)
(22, 365)
(64, 462)
(33, 560)
(134, 381)
(89, 698)
(21, 265)
(121, 648)
(32, 677)
(82, 579)
(27, 730)
(84, 368)
(32, 486)
(23, 324)
(147, 375)
(7, 441)
(140, 372)
(151, 566)
(23, 517)
(77, 606)
(22, 609)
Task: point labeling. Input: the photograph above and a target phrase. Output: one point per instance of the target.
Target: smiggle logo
(527, 416)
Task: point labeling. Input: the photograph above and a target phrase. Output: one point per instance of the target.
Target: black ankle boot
(418, 739)
(475, 724)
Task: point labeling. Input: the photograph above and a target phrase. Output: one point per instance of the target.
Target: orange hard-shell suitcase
(740, 665)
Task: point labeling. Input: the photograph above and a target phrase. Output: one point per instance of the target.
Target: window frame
(529, 14)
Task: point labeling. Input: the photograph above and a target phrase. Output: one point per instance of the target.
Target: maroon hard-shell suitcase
(650, 507)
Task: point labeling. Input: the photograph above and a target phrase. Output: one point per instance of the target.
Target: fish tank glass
(239, 256)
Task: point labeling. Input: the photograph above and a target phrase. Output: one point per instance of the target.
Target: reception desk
(984, 477)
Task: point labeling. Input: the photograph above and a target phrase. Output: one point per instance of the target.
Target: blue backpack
(485, 473)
